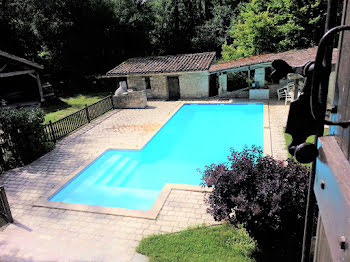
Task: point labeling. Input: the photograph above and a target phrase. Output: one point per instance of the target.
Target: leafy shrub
(266, 195)
(24, 131)
(236, 81)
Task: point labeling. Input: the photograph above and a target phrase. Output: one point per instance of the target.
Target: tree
(88, 37)
(274, 26)
(18, 36)
(213, 33)
(175, 24)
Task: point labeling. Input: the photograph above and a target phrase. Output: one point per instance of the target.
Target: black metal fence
(5, 211)
(58, 129)
(54, 131)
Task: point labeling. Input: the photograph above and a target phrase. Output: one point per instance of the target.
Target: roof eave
(21, 60)
(111, 75)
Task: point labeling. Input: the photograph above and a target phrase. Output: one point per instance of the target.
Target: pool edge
(158, 204)
(147, 214)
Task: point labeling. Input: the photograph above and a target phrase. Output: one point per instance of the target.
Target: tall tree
(18, 35)
(87, 37)
(212, 34)
(273, 26)
(174, 26)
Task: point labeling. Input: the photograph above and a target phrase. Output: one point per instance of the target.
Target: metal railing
(58, 129)
(5, 211)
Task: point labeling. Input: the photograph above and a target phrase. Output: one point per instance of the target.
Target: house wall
(259, 76)
(194, 85)
(159, 87)
(136, 83)
(222, 83)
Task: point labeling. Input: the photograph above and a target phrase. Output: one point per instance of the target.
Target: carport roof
(292, 57)
(18, 59)
(164, 64)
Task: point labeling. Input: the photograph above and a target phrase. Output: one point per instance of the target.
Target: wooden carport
(260, 63)
(11, 65)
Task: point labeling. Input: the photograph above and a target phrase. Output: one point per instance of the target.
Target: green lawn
(310, 139)
(64, 106)
(223, 243)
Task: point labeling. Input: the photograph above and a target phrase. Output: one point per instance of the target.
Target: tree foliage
(274, 26)
(79, 39)
(23, 130)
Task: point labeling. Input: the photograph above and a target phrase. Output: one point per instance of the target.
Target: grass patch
(310, 139)
(63, 106)
(220, 243)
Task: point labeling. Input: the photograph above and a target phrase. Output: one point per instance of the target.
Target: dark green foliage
(25, 131)
(79, 40)
(274, 26)
(88, 37)
(266, 195)
(237, 81)
(18, 36)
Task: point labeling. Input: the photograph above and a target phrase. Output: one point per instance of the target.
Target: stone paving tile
(46, 234)
(278, 118)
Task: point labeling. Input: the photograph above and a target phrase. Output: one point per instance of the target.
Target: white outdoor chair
(289, 96)
(284, 91)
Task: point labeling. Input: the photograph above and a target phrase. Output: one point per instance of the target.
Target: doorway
(213, 85)
(173, 87)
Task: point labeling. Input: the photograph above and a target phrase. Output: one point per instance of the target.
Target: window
(148, 82)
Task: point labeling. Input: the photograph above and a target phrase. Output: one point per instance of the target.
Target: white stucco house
(167, 77)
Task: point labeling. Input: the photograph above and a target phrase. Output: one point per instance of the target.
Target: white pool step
(107, 172)
(124, 173)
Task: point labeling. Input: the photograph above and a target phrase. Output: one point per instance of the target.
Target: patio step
(123, 174)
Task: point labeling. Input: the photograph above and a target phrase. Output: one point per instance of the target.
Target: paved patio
(47, 234)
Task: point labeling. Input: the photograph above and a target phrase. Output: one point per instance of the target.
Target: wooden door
(173, 87)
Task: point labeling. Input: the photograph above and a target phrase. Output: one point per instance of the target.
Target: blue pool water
(197, 135)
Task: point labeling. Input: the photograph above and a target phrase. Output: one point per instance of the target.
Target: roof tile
(292, 57)
(164, 64)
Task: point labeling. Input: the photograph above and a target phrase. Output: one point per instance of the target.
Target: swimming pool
(197, 135)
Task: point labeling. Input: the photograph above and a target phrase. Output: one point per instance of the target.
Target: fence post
(111, 96)
(5, 204)
(2, 160)
(52, 132)
(87, 113)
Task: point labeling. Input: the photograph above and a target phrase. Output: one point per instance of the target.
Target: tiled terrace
(47, 234)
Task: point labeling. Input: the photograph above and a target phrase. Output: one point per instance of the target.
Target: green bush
(23, 130)
(236, 81)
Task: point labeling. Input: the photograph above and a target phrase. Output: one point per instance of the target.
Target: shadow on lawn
(54, 105)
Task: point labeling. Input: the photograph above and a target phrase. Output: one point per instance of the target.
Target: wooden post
(40, 88)
(111, 96)
(248, 77)
(87, 113)
(52, 132)
(6, 206)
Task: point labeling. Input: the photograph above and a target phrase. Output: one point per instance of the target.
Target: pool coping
(148, 214)
(158, 204)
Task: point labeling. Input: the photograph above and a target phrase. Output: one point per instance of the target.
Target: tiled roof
(164, 64)
(21, 60)
(293, 57)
